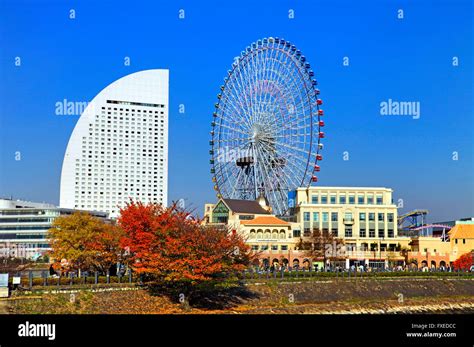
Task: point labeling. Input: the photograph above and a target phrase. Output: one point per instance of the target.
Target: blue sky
(405, 60)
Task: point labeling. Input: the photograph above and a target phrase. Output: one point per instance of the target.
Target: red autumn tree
(464, 262)
(170, 244)
(106, 246)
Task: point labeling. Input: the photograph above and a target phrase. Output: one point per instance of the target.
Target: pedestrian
(52, 272)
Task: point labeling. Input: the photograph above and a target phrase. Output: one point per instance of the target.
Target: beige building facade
(434, 252)
(364, 218)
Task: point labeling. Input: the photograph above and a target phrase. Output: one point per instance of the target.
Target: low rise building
(24, 226)
(231, 212)
(436, 252)
(364, 218)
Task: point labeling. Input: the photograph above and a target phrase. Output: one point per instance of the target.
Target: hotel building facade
(119, 147)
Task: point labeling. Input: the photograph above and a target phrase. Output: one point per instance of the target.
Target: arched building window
(267, 234)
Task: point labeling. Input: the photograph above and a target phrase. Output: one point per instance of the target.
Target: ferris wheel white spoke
(289, 153)
(297, 167)
(267, 83)
(234, 93)
(252, 75)
(241, 84)
(268, 178)
(285, 177)
(238, 112)
(233, 129)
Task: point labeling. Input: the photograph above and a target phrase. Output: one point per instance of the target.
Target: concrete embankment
(332, 296)
(365, 289)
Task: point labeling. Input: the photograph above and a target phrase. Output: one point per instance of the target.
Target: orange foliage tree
(170, 244)
(85, 242)
(464, 262)
(106, 246)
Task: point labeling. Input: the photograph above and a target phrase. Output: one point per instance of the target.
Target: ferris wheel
(266, 128)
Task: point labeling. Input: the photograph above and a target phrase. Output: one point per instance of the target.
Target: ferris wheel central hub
(257, 132)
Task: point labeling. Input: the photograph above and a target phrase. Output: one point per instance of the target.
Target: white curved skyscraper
(119, 147)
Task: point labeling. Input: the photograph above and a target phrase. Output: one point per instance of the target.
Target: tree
(322, 245)
(106, 245)
(85, 242)
(170, 244)
(404, 252)
(464, 262)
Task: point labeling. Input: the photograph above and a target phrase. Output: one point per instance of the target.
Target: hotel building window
(371, 217)
(307, 232)
(274, 247)
(390, 217)
(348, 217)
(334, 231)
(379, 199)
(360, 199)
(254, 248)
(333, 216)
(342, 199)
(390, 233)
(296, 233)
(284, 247)
(325, 216)
(371, 232)
(370, 200)
(348, 232)
(264, 248)
(324, 199)
(315, 216)
(381, 217)
(381, 233)
(306, 216)
(351, 199)
(362, 216)
(314, 199)
(362, 232)
(333, 199)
